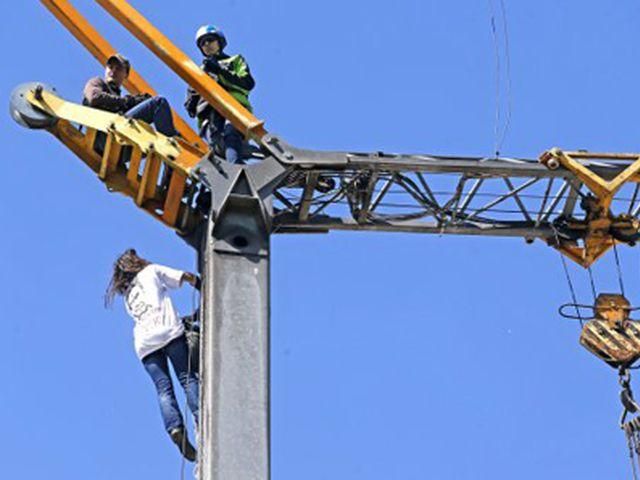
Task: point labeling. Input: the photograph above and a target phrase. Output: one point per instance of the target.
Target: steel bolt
(553, 163)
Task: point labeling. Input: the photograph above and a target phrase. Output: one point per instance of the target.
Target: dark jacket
(99, 94)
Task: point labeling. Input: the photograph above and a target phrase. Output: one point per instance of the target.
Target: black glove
(211, 65)
(141, 97)
(130, 101)
(133, 100)
(191, 104)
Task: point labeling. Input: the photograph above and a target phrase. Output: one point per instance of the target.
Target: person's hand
(133, 100)
(141, 97)
(192, 279)
(211, 65)
(191, 104)
(130, 101)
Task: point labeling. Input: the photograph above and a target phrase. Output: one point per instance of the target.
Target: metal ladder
(129, 157)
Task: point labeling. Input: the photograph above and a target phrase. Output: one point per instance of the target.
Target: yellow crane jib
(586, 240)
(128, 155)
(101, 50)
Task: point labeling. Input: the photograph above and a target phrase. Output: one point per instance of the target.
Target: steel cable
(500, 131)
(593, 285)
(619, 267)
(568, 277)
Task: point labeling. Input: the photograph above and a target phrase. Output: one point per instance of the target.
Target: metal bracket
(601, 229)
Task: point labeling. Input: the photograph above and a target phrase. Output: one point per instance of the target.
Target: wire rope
(500, 129)
(570, 283)
(619, 268)
(593, 284)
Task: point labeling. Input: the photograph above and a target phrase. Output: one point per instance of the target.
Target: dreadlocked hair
(125, 269)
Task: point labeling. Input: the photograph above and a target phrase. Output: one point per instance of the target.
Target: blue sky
(394, 356)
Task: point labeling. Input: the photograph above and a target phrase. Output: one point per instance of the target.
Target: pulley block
(611, 335)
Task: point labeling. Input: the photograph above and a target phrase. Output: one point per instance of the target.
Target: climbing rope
(190, 326)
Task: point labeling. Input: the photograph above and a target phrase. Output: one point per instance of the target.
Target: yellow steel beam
(89, 37)
(177, 186)
(588, 255)
(184, 67)
(131, 131)
(598, 239)
(73, 139)
(140, 186)
(109, 158)
(144, 141)
(605, 190)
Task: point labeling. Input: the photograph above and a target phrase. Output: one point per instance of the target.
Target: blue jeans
(155, 110)
(232, 139)
(157, 367)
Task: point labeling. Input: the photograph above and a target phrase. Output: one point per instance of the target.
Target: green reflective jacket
(236, 68)
(234, 76)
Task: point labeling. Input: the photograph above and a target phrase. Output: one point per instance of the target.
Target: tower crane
(580, 203)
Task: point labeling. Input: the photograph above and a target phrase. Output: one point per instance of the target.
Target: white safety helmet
(208, 31)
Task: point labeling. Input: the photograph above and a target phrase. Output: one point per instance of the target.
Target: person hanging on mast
(232, 73)
(159, 335)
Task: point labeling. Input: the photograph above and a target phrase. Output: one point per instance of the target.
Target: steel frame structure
(430, 194)
(579, 203)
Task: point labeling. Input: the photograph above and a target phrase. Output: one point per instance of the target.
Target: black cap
(121, 59)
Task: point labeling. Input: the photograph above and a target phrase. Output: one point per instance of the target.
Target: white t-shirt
(148, 303)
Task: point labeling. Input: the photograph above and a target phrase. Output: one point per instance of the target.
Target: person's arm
(244, 81)
(97, 97)
(173, 278)
(168, 277)
(236, 72)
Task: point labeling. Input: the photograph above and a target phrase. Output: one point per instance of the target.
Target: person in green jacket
(233, 74)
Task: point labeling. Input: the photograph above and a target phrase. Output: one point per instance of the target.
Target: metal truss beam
(435, 194)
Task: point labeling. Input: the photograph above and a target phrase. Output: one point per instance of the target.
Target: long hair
(125, 269)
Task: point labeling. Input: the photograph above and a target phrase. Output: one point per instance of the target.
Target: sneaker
(181, 440)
